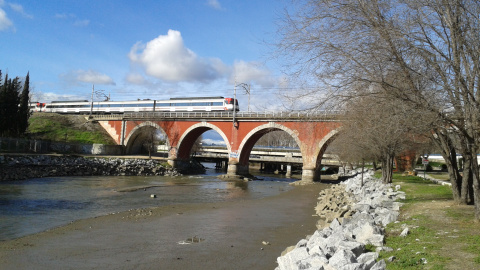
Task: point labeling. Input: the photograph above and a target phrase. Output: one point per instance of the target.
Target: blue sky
(142, 49)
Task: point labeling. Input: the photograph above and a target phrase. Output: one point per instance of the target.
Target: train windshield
(230, 101)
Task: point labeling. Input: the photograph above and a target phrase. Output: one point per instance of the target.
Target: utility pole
(246, 87)
(91, 104)
(234, 103)
(247, 90)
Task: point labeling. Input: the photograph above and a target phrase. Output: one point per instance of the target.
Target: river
(35, 205)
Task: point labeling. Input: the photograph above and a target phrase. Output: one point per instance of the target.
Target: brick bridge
(240, 131)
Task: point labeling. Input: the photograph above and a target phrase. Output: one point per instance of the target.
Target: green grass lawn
(55, 127)
(442, 234)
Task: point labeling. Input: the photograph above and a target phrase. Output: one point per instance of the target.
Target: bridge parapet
(212, 116)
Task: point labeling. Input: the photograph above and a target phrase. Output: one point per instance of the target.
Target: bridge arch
(253, 136)
(320, 151)
(139, 134)
(188, 138)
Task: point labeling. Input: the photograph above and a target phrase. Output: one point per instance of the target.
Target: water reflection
(35, 205)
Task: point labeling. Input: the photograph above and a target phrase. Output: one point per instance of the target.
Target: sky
(156, 49)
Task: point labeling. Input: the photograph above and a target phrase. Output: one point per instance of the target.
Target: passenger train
(146, 105)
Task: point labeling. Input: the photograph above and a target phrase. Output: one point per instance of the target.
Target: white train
(172, 105)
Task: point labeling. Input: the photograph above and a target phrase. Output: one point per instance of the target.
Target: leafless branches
(422, 54)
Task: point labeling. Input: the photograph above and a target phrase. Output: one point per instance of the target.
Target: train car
(196, 104)
(73, 106)
(146, 105)
(36, 106)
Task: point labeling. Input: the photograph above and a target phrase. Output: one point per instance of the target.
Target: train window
(217, 104)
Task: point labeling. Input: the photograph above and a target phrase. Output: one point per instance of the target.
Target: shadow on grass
(419, 190)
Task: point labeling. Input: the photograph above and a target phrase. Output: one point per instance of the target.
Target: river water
(35, 205)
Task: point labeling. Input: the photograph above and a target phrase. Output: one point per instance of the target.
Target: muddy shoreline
(233, 234)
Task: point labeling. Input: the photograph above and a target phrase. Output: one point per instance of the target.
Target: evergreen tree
(23, 109)
(9, 106)
(2, 106)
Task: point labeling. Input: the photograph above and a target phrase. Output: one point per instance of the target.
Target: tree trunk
(449, 154)
(466, 179)
(476, 186)
(387, 169)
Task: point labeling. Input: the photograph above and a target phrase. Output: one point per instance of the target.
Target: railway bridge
(239, 130)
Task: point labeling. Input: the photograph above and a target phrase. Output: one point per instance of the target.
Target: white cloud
(213, 142)
(167, 58)
(63, 16)
(19, 8)
(214, 4)
(5, 22)
(87, 76)
(252, 72)
(81, 23)
(135, 78)
(72, 17)
(48, 97)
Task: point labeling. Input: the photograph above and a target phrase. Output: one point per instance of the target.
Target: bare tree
(196, 146)
(277, 138)
(431, 46)
(150, 141)
(377, 128)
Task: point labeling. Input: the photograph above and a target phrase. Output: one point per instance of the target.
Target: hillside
(69, 128)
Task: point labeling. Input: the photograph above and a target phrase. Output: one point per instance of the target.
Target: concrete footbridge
(273, 159)
(240, 131)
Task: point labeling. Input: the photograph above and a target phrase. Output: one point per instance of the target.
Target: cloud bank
(87, 76)
(168, 59)
(214, 4)
(5, 22)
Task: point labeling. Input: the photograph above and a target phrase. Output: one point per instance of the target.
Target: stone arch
(137, 136)
(322, 146)
(188, 138)
(253, 136)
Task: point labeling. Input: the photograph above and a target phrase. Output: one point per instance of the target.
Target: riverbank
(430, 231)
(21, 167)
(248, 234)
(442, 234)
(353, 215)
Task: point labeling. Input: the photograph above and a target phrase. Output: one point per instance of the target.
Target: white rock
(404, 233)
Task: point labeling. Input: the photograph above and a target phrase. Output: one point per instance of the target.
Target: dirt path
(452, 225)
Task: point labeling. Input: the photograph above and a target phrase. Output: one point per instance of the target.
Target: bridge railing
(321, 115)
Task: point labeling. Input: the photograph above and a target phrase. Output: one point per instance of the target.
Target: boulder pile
(352, 216)
(36, 166)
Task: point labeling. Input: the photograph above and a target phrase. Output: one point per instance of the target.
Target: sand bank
(232, 234)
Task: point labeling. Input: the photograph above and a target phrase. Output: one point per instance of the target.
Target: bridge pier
(236, 171)
(221, 164)
(309, 175)
(289, 171)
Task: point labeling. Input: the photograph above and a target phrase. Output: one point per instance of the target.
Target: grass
(166, 165)
(435, 164)
(74, 129)
(442, 235)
